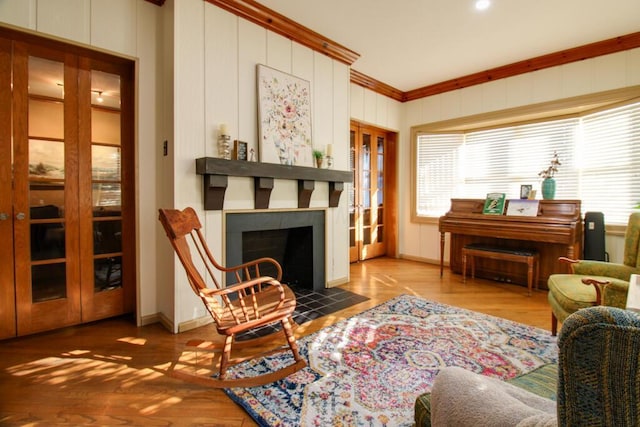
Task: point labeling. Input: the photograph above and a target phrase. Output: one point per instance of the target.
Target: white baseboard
(150, 319)
(337, 282)
(169, 324)
(422, 259)
(194, 323)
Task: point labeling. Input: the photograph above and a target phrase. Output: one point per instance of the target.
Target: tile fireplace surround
(295, 238)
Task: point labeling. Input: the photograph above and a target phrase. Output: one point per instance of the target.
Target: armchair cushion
(567, 294)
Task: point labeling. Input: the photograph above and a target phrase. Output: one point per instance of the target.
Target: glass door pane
(46, 176)
(354, 209)
(106, 180)
(380, 191)
(365, 187)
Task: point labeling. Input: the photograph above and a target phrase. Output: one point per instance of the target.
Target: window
(600, 155)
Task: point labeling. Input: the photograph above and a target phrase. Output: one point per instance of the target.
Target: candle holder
(329, 155)
(224, 146)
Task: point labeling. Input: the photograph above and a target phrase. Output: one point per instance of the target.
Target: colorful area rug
(368, 369)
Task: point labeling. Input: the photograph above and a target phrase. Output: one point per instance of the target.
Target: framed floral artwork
(284, 118)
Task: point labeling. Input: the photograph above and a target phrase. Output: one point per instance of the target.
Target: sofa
(596, 381)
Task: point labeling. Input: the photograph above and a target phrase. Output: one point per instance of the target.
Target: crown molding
(273, 21)
(592, 50)
(375, 85)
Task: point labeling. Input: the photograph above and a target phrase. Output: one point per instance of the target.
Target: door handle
(20, 216)
(3, 216)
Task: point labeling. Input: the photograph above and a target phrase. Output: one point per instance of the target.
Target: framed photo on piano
(525, 191)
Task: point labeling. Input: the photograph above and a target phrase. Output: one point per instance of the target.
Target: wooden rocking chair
(254, 301)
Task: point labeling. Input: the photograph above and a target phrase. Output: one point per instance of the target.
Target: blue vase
(548, 188)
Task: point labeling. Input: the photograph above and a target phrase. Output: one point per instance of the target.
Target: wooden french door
(66, 203)
(372, 228)
(7, 288)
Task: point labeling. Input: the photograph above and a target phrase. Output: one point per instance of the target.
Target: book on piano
(523, 207)
(494, 204)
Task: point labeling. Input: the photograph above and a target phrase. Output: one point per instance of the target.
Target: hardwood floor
(113, 373)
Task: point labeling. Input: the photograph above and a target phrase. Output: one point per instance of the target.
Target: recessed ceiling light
(483, 4)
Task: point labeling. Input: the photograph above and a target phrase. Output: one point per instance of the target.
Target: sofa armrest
(599, 363)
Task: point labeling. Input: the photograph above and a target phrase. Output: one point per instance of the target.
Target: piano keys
(556, 231)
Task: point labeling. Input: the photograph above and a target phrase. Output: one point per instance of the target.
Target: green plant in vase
(548, 183)
(318, 155)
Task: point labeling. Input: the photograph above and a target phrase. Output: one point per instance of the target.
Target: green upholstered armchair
(598, 378)
(568, 293)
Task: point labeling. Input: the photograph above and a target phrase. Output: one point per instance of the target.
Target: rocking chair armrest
(237, 287)
(238, 269)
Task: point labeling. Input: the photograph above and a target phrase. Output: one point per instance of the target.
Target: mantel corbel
(216, 171)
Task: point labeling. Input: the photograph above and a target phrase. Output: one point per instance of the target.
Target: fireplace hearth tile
(311, 305)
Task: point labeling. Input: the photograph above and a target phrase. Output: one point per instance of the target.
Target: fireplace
(296, 239)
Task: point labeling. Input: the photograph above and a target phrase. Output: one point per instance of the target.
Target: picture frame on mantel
(240, 151)
(284, 118)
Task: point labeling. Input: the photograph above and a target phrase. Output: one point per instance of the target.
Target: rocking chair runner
(254, 301)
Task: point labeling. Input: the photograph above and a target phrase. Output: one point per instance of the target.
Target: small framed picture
(525, 190)
(239, 150)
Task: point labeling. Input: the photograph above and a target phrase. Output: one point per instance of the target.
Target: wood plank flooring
(113, 373)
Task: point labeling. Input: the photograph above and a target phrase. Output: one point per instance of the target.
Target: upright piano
(555, 231)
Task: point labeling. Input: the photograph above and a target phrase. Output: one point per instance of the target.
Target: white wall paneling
(114, 25)
(149, 147)
(69, 19)
(221, 74)
(252, 42)
(322, 101)
(279, 53)
(21, 13)
(190, 134)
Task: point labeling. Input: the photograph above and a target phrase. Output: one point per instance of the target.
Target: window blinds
(600, 156)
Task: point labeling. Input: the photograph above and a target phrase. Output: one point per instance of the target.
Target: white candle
(223, 129)
(329, 150)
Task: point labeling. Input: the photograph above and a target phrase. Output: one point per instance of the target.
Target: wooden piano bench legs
(527, 256)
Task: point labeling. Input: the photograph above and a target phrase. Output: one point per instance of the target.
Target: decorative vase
(548, 188)
(319, 162)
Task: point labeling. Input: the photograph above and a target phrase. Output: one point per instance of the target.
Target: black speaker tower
(594, 237)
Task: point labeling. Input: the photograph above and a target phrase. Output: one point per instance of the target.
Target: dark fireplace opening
(293, 238)
(291, 247)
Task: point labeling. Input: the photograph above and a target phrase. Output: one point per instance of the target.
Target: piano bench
(527, 256)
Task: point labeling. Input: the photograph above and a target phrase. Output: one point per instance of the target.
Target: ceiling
(409, 44)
